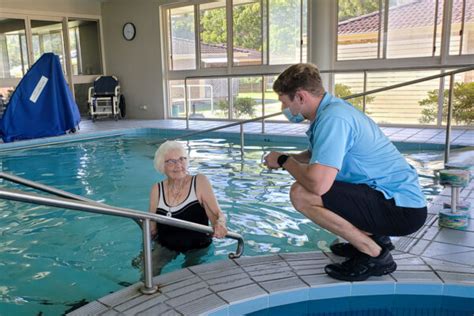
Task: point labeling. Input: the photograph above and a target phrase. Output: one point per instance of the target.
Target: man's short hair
(299, 76)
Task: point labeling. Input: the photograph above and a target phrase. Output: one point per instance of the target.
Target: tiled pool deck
(434, 260)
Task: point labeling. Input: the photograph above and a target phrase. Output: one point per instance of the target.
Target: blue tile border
(169, 133)
(249, 305)
(289, 297)
(419, 288)
(459, 290)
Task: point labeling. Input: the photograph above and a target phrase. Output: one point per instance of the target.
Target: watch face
(129, 31)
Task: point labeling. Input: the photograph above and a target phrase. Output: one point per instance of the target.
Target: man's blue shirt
(344, 138)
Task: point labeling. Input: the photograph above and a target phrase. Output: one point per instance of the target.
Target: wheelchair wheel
(122, 106)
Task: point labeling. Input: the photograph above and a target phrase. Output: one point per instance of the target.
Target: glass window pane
(247, 97)
(348, 84)
(213, 34)
(183, 44)
(207, 98)
(462, 103)
(5, 94)
(402, 105)
(271, 102)
(176, 98)
(47, 38)
(284, 33)
(358, 29)
(13, 51)
(247, 32)
(85, 47)
(411, 28)
(458, 31)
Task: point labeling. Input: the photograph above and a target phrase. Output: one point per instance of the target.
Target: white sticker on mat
(38, 89)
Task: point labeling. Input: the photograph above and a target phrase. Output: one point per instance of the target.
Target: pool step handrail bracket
(145, 219)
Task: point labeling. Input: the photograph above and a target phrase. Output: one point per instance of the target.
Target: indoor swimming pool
(53, 260)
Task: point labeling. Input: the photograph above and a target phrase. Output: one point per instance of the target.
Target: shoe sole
(338, 253)
(379, 272)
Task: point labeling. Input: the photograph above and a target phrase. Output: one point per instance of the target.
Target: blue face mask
(293, 118)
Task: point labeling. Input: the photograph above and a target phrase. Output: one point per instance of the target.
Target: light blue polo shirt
(344, 138)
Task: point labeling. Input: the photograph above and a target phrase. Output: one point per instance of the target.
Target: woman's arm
(208, 200)
(153, 204)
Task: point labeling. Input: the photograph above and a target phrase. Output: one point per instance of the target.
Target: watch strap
(282, 159)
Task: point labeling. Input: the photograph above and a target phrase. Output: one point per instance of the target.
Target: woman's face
(176, 165)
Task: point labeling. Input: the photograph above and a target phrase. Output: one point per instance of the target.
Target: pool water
(53, 259)
(380, 305)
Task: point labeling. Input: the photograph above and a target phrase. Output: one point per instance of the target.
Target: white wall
(137, 63)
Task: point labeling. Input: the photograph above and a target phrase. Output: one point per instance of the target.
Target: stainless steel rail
(144, 217)
(362, 94)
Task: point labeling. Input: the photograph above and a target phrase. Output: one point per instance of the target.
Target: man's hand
(271, 160)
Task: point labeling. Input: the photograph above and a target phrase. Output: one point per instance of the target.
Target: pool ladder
(79, 203)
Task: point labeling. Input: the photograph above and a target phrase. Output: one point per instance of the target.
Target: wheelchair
(105, 99)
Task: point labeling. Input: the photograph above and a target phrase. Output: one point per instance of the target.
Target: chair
(105, 98)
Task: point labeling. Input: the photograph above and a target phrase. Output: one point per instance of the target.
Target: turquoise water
(52, 259)
(380, 305)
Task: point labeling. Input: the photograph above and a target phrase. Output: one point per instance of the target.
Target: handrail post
(447, 143)
(148, 287)
(242, 140)
(186, 102)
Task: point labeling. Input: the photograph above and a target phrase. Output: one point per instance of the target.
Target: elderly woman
(183, 196)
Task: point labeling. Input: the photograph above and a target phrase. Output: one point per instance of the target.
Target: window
(264, 33)
(13, 48)
(213, 36)
(358, 31)
(84, 47)
(462, 28)
(413, 29)
(47, 37)
(182, 53)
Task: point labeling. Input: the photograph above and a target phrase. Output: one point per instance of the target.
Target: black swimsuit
(190, 210)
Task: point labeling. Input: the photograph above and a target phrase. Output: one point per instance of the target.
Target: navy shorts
(369, 210)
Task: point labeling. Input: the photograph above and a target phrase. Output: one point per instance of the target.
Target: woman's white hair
(159, 161)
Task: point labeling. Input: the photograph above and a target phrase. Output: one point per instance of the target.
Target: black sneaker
(362, 266)
(345, 249)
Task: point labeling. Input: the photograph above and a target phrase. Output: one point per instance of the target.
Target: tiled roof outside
(414, 14)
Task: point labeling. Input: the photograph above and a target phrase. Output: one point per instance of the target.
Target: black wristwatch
(282, 159)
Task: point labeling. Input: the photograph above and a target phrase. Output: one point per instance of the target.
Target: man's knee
(301, 199)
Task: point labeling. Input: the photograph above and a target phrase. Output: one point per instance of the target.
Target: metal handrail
(145, 217)
(51, 190)
(362, 94)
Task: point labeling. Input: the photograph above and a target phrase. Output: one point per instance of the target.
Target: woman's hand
(220, 230)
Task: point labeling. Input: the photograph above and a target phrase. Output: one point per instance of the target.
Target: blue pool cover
(41, 105)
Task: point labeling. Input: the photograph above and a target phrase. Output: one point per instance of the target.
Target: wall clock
(129, 31)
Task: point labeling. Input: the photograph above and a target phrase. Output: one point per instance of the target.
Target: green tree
(462, 103)
(183, 26)
(342, 90)
(213, 26)
(247, 26)
(352, 8)
(282, 25)
(242, 106)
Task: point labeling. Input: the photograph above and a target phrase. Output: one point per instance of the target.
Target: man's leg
(311, 205)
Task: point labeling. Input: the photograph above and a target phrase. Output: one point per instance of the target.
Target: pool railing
(75, 202)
